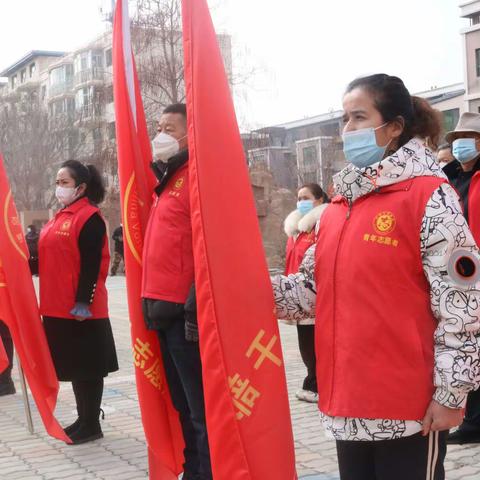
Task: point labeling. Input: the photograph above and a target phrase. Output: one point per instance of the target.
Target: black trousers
(183, 370)
(471, 422)
(6, 375)
(306, 344)
(411, 458)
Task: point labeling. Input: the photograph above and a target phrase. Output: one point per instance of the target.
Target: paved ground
(121, 454)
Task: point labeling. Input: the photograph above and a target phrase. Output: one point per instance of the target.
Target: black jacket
(461, 181)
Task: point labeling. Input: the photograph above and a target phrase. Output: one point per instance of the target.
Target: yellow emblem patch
(65, 226)
(384, 223)
(179, 183)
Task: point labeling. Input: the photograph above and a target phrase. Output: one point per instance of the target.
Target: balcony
(90, 112)
(90, 75)
(60, 89)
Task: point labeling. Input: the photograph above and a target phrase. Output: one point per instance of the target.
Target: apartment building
(77, 87)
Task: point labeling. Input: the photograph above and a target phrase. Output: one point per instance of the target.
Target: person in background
(117, 237)
(168, 292)
(73, 261)
(464, 175)
(32, 237)
(7, 386)
(444, 154)
(300, 229)
(392, 282)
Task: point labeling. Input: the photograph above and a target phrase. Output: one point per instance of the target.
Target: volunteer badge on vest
(384, 225)
(178, 186)
(64, 228)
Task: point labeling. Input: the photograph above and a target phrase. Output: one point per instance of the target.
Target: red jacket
(374, 325)
(474, 207)
(59, 263)
(296, 248)
(168, 252)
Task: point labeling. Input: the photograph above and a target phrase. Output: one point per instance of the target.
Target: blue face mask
(304, 206)
(465, 149)
(360, 147)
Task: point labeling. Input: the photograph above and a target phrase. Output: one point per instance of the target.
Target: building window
(310, 177)
(310, 161)
(450, 119)
(32, 69)
(14, 81)
(477, 61)
(109, 94)
(97, 134)
(23, 75)
(475, 20)
(108, 57)
(111, 131)
(258, 158)
(97, 59)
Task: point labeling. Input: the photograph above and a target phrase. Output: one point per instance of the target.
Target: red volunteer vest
(374, 325)
(296, 248)
(474, 207)
(168, 252)
(59, 263)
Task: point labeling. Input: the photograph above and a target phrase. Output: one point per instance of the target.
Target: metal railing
(60, 88)
(89, 75)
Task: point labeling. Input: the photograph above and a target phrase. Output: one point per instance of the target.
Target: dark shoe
(462, 437)
(86, 433)
(7, 388)
(71, 428)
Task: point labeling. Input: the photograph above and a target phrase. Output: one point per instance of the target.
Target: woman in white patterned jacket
(393, 284)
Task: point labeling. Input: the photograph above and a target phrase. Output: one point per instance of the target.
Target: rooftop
(324, 117)
(28, 58)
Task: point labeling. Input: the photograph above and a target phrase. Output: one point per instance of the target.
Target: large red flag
(248, 416)
(160, 419)
(19, 310)
(3, 356)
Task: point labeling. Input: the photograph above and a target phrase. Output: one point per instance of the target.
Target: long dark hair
(393, 100)
(90, 176)
(317, 191)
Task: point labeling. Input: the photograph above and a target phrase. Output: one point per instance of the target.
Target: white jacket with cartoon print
(454, 303)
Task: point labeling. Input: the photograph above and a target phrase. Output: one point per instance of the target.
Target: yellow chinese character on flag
(264, 351)
(154, 374)
(141, 353)
(244, 395)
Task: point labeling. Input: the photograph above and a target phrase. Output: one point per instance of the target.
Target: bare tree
(34, 143)
(157, 40)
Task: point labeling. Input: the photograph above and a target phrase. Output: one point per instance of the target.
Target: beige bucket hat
(468, 123)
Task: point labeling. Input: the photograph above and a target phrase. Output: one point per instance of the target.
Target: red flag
(3, 356)
(160, 419)
(248, 416)
(19, 310)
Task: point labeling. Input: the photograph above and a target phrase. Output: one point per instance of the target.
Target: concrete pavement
(121, 455)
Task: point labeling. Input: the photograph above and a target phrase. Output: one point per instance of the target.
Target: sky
(299, 54)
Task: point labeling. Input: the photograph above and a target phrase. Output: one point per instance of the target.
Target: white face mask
(66, 195)
(164, 146)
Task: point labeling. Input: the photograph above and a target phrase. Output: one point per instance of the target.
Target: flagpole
(26, 401)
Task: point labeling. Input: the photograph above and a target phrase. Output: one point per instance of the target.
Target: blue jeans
(183, 370)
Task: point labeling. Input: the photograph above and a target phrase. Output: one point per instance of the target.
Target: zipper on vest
(347, 217)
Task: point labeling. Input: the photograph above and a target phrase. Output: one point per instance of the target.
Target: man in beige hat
(464, 175)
